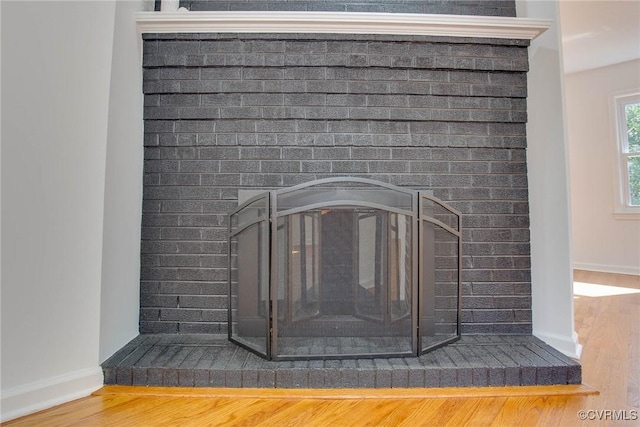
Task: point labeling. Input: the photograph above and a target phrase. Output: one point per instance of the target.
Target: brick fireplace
(270, 111)
(229, 112)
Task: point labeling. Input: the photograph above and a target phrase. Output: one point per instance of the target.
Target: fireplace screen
(342, 268)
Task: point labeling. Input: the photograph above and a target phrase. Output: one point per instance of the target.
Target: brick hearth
(203, 360)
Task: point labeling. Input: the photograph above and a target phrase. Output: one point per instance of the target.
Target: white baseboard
(568, 346)
(33, 397)
(605, 268)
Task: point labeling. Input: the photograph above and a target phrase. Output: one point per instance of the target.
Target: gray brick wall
(450, 7)
(262, 111)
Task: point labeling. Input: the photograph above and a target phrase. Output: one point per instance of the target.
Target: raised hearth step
(201, 360)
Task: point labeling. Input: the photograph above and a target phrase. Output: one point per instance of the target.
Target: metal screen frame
(416, 215)
(422, 216)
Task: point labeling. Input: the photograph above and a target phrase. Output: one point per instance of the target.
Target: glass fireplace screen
(344, 268)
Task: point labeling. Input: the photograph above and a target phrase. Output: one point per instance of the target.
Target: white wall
(602, 241)
(120, 302)
(67, 132)
(551, 266)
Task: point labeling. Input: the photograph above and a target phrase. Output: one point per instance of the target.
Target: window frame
(623, 207)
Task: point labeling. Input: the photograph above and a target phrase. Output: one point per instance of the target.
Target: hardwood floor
(607, 314)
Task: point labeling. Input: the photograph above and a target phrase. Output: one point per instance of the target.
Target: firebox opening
(342, 268)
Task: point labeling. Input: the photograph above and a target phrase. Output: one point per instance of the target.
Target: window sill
(627, 214)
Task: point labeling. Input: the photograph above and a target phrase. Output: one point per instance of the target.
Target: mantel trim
(341, 23)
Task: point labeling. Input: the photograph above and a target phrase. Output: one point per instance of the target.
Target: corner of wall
(547, 160)
(123, 186)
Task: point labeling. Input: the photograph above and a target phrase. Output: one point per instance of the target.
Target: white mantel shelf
(341, 23)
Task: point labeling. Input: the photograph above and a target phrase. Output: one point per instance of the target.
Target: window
(627, 110)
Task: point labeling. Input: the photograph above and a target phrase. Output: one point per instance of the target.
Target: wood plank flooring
(608, 326)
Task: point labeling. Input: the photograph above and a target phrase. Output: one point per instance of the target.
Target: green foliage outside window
(632, 114)
(634, 180)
